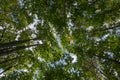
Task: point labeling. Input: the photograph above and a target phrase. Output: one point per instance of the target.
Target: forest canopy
(59, 39)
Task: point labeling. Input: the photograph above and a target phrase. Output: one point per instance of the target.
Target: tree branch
(112, 60)
(117, 25)
(14, 43)
(7, 52)
(6, 69)
(8, 60)
(2, 34)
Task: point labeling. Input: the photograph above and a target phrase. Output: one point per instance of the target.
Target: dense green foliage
(59, 39)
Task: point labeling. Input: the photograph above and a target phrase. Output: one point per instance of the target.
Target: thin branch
(112, 60)
(6, 70)
(14, 43)
(64, 8)
(97, 69)
(91, 65)
(117, 25)
(2, 34)
(8, 60)
(116, 8)
(93, 2)
(7, 52)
